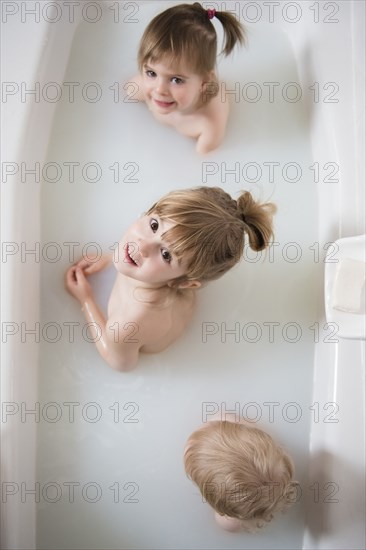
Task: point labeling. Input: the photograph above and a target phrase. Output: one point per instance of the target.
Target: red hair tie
(211, 13)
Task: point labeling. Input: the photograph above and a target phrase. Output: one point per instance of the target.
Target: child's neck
(150, 293)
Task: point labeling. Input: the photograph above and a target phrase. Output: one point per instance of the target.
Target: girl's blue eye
(154, 224)
(166, 255)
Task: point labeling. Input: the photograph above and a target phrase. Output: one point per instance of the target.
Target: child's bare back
(149, 321)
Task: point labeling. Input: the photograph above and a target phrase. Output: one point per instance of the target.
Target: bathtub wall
(335, 53)
(32, 52)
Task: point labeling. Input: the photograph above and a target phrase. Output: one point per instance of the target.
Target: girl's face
(143, 254)
(170, 89)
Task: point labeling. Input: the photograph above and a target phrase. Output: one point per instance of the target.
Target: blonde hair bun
(257, 218)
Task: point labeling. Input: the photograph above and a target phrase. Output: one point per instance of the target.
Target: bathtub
(322, 43)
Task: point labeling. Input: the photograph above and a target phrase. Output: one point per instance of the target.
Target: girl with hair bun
(186, 239)
(177, 63)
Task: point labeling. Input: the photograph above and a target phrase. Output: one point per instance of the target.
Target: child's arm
(207, 143)
(121, 353)
(210, 138)
(213, 125)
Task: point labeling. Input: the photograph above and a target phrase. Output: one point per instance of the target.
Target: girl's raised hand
(77, 285)
(93, 264)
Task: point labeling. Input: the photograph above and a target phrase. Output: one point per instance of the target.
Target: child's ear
(190, 284)
(210, 88)
(207, 78)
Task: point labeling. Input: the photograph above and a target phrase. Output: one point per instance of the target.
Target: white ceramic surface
(349, 325)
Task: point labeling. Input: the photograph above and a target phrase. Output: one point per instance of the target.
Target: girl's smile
(164, 104)
(129, 251)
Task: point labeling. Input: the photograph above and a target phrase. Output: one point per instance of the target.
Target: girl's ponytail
(257, 219)
(233, 31)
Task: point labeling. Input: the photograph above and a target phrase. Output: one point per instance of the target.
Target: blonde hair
(185, 32)
(210, 228)
(241, 472)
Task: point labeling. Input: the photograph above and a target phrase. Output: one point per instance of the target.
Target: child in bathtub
(187, 238)
(177, 79)
(241, 472)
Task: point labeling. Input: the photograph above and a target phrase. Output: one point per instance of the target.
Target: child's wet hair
(241, 472)
(210, 227)
(184, 33)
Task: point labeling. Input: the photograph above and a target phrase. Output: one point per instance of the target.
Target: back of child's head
(185, 34)
(241, 472)
(210, 228)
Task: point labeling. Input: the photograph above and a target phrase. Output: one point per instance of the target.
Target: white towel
(348, 290)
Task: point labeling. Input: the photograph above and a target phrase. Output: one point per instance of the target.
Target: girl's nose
(143, 247)
(161, 86)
